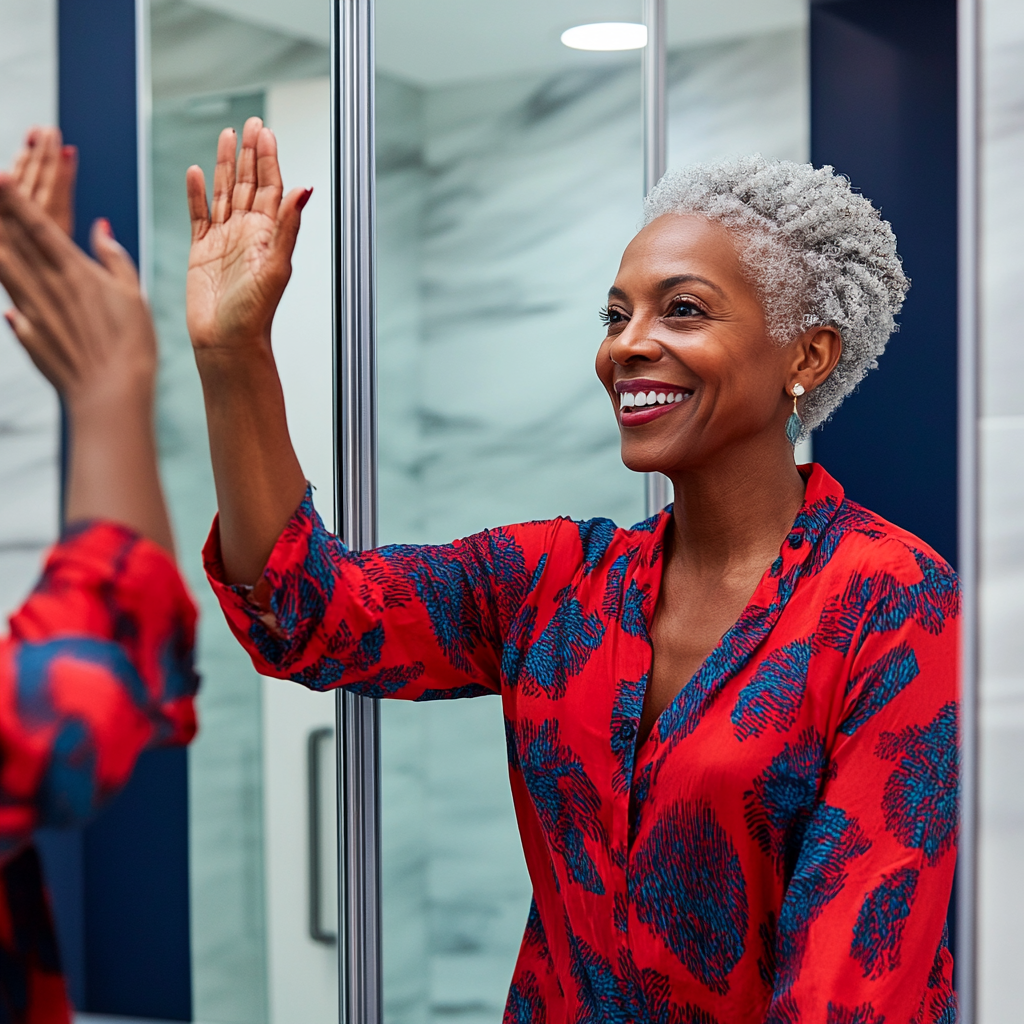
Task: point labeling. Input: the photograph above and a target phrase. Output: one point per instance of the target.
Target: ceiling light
(606, 35)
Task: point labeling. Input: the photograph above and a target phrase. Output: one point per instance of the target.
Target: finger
(21, 161)
(63, 205)
(111, 254)
(289, 218)
(198, 209)
(49, 169)
(224, 176)
(35, 143)
(269, 186)
(245, 179)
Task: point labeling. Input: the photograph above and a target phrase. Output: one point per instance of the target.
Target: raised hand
(86, 326)
(45, 172)
(240, 259)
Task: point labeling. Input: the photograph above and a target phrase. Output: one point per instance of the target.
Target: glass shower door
(261, 771)
(510, 174)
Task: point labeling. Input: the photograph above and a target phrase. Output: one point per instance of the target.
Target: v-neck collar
(823, 497)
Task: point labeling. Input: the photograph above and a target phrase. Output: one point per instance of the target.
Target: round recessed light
(606, 35)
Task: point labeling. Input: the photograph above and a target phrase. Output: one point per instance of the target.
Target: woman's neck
(735, 510)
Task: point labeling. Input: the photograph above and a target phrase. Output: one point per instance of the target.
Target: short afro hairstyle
(816, 251)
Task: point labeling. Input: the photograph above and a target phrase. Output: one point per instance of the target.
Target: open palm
(240, 259)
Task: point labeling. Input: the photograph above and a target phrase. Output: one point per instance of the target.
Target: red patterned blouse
(97, 667)
(780, 849)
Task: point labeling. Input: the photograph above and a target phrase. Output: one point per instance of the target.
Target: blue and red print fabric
(780, 849)
(97, 667)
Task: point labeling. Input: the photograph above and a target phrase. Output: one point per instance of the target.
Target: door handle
(313, 792)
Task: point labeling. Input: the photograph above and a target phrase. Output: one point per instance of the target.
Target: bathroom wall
(1002, 496)
(503, 207)
(29, 414)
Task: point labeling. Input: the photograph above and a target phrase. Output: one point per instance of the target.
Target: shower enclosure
(475, 181)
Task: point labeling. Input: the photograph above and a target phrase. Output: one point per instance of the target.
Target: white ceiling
(433, 42)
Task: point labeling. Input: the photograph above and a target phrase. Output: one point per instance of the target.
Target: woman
(731, 729)
(98, 664)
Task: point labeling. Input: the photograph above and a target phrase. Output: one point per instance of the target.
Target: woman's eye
(610, 316)
(685, 308)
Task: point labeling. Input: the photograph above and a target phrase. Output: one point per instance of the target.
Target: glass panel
(509, 181)
(738, 83)
(253, 960)
(1001, 850)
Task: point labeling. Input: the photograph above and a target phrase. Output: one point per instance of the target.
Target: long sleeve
(413, 622)
(97, 667)
(858, 934)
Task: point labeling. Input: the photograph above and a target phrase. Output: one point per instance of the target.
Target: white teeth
(670, 399)
(679, 397)
(661, 399)
(641, 399)
(652, 397)
(626, 399)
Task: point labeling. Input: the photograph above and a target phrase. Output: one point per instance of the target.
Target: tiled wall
(1002, 719)
(29, 417)
(503, 209)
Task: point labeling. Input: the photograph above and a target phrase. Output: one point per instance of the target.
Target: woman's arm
(86, 326)
(238, 268)
(99, 662)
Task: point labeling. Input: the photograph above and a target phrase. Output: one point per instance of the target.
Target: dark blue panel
(96, 48)
(136, 895)
(883, 111)
(61, 853)
(133, 896)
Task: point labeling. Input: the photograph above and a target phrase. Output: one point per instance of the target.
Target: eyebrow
(671, 282)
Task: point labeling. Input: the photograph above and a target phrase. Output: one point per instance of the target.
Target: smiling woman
(731, 728)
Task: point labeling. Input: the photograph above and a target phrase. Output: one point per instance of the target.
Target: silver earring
(795, 425)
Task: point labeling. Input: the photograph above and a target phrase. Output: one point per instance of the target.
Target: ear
(815, 355)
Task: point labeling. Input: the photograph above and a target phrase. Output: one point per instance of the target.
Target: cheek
(603, 363)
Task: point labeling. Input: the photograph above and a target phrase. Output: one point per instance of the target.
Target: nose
(635, 343)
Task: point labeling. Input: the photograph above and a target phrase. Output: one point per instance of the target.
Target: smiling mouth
(641, 401)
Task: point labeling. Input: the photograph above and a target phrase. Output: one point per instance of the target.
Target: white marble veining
(503, 208)
(1002, 593)
(29, 413)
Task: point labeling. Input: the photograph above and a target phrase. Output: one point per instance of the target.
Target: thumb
(111, 254)
(289, 218)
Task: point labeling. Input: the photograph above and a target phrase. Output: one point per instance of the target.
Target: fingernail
(105, 227)
(304, 198)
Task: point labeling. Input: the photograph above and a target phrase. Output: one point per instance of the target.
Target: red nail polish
(304, 198)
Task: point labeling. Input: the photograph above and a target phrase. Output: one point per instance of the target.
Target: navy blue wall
(120, 886)
(883, 112)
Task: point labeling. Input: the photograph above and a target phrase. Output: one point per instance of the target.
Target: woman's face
(684, 322)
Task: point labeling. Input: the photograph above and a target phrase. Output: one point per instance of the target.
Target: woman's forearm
(112, 469)
(257, 475)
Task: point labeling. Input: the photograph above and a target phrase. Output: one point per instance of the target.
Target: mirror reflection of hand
(240, 259)
(45, 172)
(83, 321)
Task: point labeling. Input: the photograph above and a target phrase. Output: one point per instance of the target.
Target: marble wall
(503, 208)
(1002, 594)
(29, 413)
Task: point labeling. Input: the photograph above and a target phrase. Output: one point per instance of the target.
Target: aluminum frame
(968, 487)
(657, 487)
(357, 718)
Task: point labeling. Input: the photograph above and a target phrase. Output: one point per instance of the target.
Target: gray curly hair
(816, 252)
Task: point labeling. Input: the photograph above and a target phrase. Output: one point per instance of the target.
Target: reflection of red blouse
(98, 667)
(780, 849)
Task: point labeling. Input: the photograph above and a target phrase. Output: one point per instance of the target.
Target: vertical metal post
(969, 482)
(655, 141)
(352, 70)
